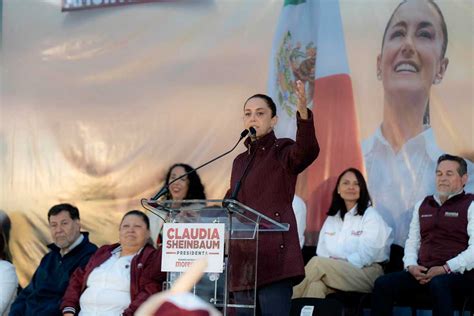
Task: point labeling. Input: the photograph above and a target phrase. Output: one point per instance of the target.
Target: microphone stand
(165, 189)
(253, 133)
(230, 206)
(228, 203)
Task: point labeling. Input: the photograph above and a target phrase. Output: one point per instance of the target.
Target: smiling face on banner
(412, 57)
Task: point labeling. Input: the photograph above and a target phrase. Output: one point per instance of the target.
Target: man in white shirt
(399, 179)
(439, 251)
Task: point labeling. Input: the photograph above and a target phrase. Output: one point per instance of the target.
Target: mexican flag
(309, 46)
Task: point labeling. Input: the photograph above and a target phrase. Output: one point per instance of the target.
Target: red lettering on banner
(183, 264)
(193, 233)
(170, 233)
(193, 244)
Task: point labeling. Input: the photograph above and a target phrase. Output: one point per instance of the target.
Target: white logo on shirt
(451, 214)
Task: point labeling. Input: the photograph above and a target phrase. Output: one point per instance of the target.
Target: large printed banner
(97, 105)
(400, 154)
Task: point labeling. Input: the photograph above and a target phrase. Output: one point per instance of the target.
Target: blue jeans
(442, 289)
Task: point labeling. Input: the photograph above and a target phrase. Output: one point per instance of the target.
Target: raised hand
(301, 104)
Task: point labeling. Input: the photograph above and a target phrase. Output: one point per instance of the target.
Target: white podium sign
(184, 243)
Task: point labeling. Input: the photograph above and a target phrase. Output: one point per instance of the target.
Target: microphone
(165, 189)
(253, 132)
(253, 135)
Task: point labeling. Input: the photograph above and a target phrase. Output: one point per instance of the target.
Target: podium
(232, 288)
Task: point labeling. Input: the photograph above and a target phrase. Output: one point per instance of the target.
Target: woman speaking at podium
(268, 186)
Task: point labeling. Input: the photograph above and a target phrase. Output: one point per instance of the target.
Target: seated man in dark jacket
(439, 251)
(71, 249)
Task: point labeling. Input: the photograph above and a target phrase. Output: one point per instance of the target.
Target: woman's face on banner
(411, 54)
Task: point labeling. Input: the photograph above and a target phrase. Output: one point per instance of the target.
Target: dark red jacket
(443, 229)
(269, 188)
(146, 278)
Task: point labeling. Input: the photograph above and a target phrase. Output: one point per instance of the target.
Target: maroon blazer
(146, 278)
(269, 188)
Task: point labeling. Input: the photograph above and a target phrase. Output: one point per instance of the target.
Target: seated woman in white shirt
(353, 241)
(8, 278)
(118, 278)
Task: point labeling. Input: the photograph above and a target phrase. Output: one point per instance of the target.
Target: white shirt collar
(425, 139)
(353, 210)
(438, 200)
(117, 251)
(73, 245)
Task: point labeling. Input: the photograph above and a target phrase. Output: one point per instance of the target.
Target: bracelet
(446, 269)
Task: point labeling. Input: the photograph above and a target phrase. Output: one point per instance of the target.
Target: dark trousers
(275, 299)
(442, 289)
(272, 300)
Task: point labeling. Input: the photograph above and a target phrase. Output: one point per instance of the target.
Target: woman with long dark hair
(189, 187)
(353, 241)
(8, 278)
